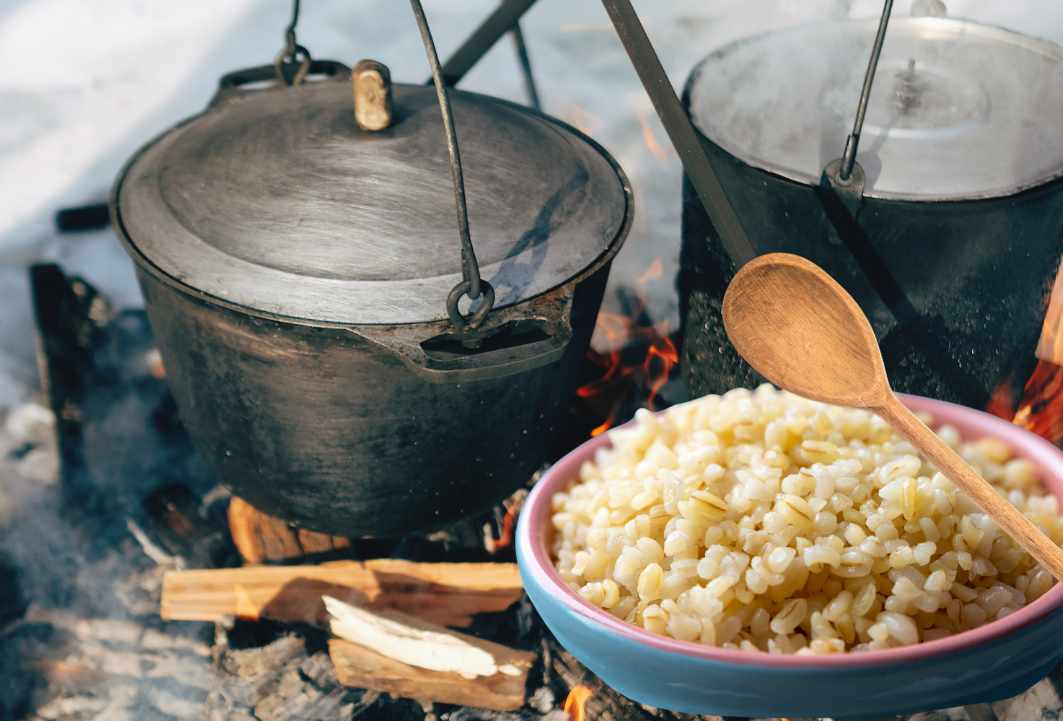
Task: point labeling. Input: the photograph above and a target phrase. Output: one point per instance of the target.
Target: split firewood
(391, 652)
(447, 594)
(260, 537)
(401, 640)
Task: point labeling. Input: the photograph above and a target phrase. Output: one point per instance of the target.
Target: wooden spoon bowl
(803, 332)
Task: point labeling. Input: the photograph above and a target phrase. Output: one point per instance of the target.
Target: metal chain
(472, 284)
(293, 52)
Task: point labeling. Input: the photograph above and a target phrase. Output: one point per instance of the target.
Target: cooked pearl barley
(764, 522)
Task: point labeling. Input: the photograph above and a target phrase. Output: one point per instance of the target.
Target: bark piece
(447, 594)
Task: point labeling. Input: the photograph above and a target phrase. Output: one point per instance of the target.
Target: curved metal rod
(291, 53)
(469, 267)
(289, 33)
(525, 67)
(849, 156)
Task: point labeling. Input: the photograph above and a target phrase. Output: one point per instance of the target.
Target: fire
(655, 271)
(650, 373)
(1041, 409)
(506, 535)
(636, 357)
(1000, 404)
(664, 351)
(662, 154)
(583, 120)
(577, 697)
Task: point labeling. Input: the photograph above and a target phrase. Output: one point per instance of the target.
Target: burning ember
(577, 697)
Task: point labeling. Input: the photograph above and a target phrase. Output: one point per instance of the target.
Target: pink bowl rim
(1047, 459)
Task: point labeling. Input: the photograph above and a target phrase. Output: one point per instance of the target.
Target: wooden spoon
(802, 331)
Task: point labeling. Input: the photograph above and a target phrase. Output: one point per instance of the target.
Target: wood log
(362, 668)
(260, 537)
(447, 594)
(65, 357)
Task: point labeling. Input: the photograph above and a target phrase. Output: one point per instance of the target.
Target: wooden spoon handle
(977, 489)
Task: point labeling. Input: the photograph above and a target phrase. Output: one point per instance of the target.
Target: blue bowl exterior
(992, 671)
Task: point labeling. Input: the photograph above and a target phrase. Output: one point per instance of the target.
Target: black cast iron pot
(958, 236)
(296, 269)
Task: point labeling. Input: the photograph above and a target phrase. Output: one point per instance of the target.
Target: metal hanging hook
(292, 53)
(471, 285)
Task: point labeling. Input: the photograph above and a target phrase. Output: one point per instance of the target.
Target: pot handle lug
(515, 341)
(231, 86)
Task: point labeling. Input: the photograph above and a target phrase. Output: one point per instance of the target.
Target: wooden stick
(448, 594)
(364, 668)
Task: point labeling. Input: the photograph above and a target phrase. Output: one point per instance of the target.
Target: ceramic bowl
(997, 661)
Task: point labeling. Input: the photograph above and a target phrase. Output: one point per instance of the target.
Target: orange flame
(584, 121)
(1041, 409)
(663, 350)
(650, 374)
(507, 532)
(577, 697)
(662, 154)
(636, 358)
(655, 271)
(1000, 402)
(493, 545)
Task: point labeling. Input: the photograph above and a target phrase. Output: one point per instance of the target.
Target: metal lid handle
(371, 82)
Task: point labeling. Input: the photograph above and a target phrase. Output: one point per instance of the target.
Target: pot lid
(957, 109)
(273, 199)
